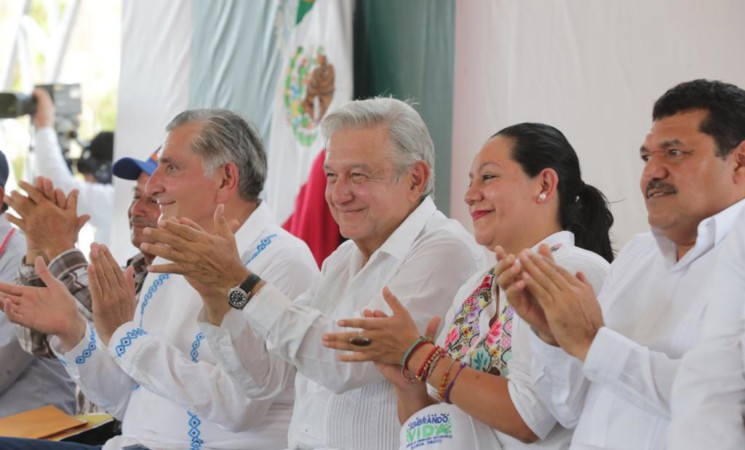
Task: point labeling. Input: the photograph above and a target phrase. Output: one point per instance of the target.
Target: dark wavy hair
(725, 103)
(583, 209)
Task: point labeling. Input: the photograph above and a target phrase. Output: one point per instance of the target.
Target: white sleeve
(708, 400)
(534, 412)
(198, 386)
(241, 353)
(425, 283)
(547, 384)
(558, 380)
(634, 372)
(98, 376)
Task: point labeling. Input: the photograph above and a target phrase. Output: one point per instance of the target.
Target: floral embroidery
(490, 352)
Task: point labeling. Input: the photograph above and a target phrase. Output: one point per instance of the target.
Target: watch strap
(249, 283)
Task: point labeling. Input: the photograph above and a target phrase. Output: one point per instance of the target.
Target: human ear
(548, 182)
(738, 158)
(418, 176)
(228, 174)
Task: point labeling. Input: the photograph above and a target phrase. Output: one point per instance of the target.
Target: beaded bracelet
(427, 361)
(405, 372)
(432, 364)
(444, 382)
(446, 397)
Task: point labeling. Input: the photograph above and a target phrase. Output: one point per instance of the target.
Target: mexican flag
(315, 78)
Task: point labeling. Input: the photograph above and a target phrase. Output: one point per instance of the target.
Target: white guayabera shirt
(342, 405)
(652, 308)
(708, 404)
(162, 379)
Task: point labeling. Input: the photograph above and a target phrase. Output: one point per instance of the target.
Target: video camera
(67, 107)
(66, 99)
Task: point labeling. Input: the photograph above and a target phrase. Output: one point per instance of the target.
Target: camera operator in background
(96, 193)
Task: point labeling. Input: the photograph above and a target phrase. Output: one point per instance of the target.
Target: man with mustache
(51, 229)
(50, 222)
(612, 376)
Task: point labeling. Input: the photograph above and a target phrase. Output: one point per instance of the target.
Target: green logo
(429, 429)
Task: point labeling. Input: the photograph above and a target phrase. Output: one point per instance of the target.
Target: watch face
(237, 298)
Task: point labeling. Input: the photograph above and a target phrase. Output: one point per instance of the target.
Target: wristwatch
(239, 296)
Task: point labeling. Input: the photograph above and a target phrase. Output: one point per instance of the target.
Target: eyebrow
(665, 145)
(671, 143)
(481, 167)
(352, 167)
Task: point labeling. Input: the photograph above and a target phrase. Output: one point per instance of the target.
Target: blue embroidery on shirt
(150, 292)
(194, 433)
(260, 248)
(195, 347)
(194, 421)
(126, 341)
(88, 350)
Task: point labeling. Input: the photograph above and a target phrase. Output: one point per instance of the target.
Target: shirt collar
(253, 227)
(710, 233)
(556, 241)
(399, 242)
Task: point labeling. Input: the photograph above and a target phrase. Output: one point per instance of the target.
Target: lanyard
(6, 240)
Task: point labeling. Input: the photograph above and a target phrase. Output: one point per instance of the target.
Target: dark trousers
(37, 444)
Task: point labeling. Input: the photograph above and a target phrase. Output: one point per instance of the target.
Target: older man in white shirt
(378, 167)
(612, 377)
(149, 365)
(708, 402)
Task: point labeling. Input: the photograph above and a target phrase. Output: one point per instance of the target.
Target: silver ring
(360, 340)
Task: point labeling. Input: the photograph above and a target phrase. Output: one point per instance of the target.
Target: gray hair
(410, 139)
(227, 137)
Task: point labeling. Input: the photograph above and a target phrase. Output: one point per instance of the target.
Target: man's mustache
(139, 221)
(658, 185)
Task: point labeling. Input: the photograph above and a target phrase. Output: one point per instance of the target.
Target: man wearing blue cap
(26, 382)
(51, 228)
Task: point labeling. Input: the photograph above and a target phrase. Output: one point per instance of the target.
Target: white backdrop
(593, 69)
(153, 87)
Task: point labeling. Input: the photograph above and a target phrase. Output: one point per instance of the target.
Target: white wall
(593, 69)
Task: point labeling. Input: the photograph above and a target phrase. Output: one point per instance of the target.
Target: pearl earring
(542, 197)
